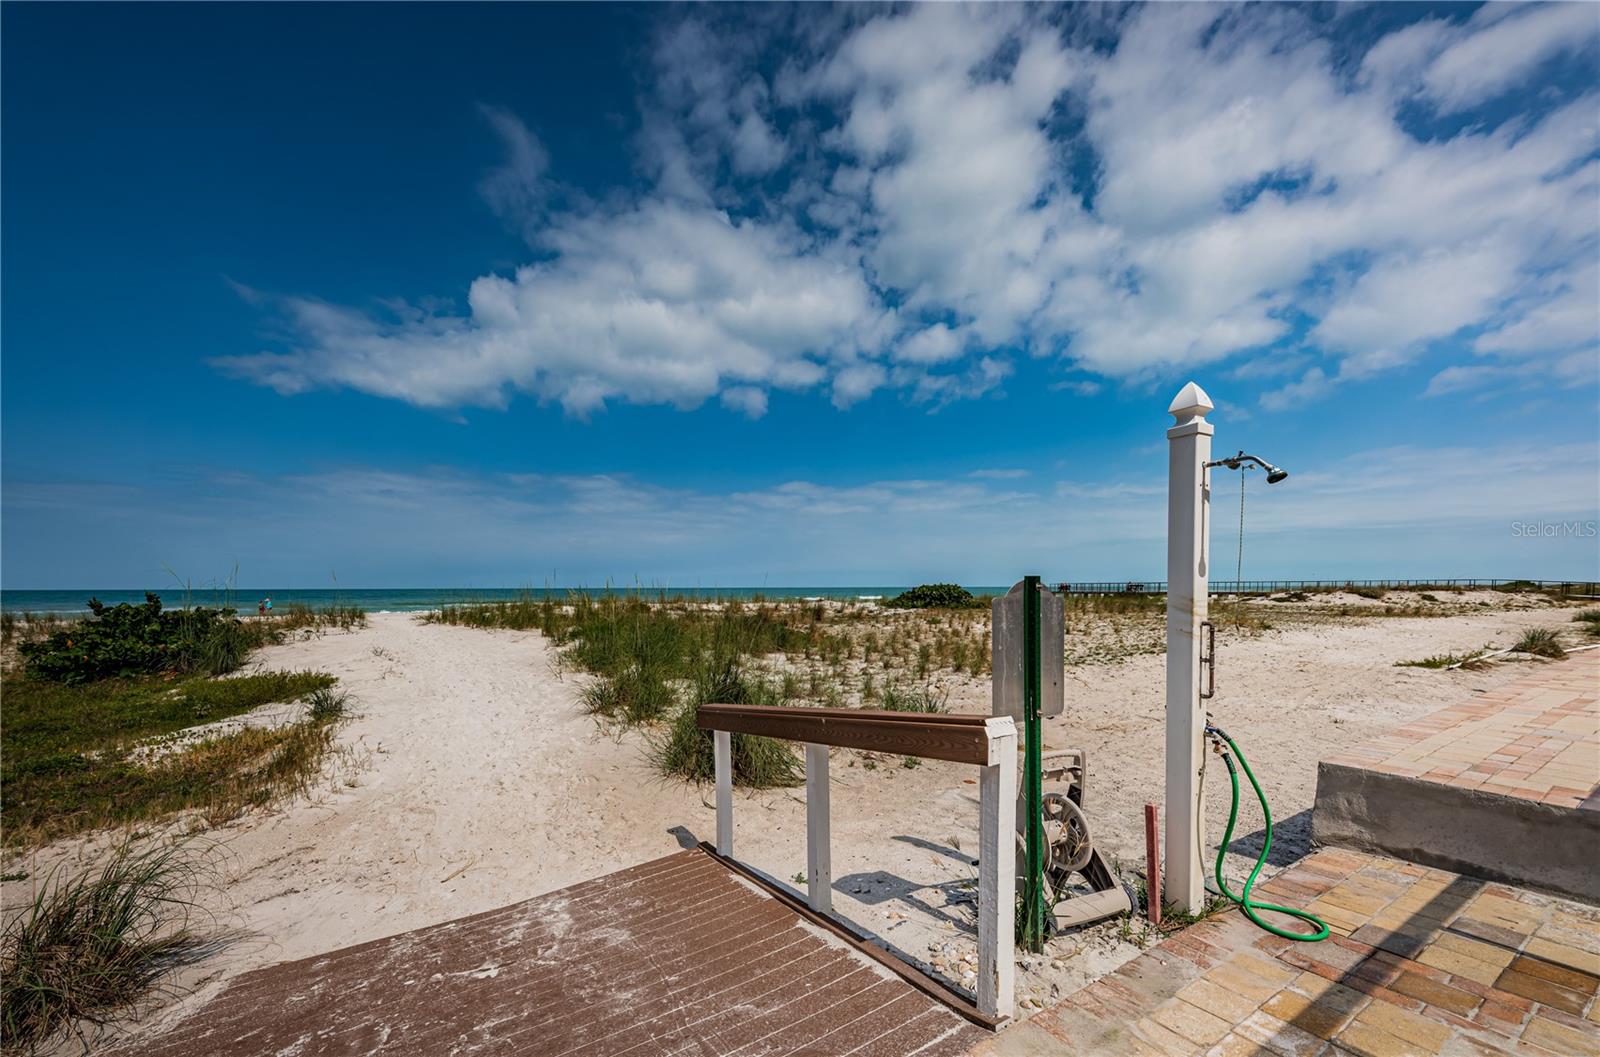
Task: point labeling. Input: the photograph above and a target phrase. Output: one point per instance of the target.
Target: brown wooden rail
(962, 739)
(988, 741)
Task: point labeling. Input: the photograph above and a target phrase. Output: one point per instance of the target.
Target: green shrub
(127, 640)
(935, 596)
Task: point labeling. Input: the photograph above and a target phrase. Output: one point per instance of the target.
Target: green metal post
(1035, 910)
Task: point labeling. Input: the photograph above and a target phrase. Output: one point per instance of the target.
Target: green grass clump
(1590, 618)
(1540, 642)
(78, 757)
(686, 751)
(924, 698)
(90, 945)
(325, 704)
(936, 596)
(298, 615)
(637, 694)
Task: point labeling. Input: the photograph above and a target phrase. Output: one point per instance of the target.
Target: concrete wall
(1499, 838)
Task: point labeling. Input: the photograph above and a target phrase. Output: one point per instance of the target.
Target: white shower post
(1188, 529)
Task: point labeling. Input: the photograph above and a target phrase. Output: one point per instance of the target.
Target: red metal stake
(1152, 863)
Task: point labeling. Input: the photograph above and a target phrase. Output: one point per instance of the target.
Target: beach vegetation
(1590, 619)
(78, 757)
(339, 616)
(1444, 660)
(127, 640)
(683, 750)
(1540, 642)
(896, 697)
(936, 596)
(89, 945)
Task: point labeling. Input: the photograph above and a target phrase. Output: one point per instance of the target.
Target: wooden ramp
(675, 956)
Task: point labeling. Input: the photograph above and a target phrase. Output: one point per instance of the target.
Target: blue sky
(498, 295)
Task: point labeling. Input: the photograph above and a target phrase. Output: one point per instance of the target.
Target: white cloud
(666, 303)
(1502, 46)
(1463, 378)
(515, 190)
(936, 344)
(1400, 301)
(915, 197)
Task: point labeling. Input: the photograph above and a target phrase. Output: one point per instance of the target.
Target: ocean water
(406, 599)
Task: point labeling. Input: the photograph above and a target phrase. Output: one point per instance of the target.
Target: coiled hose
(1247, 904)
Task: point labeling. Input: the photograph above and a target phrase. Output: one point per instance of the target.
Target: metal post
(1035, 907)
(1188, 527)
(1152, 864)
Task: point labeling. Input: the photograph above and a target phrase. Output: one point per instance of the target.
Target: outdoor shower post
(1188, 529)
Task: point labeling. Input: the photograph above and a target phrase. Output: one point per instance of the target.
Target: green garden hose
(1246, 904)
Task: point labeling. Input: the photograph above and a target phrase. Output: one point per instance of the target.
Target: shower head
(1235, 462)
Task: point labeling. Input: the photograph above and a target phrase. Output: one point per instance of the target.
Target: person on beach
(269, 603)
(261, 607)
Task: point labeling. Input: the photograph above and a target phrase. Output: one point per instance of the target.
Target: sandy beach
(470, 777)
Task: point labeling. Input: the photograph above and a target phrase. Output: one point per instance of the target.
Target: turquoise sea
(407, 599)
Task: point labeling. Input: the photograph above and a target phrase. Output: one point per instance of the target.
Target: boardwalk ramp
(675, 956)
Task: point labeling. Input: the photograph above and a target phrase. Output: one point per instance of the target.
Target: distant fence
(1566, 588)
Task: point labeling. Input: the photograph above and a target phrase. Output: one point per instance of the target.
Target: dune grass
(78, 757)
(1590, 619)
(91, 944)
(297, 615)
(1540, 642)
(686, 751)
(658, 660)
(925, 698)
(1442, 660)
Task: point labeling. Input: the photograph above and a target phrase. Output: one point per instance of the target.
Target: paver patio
(1504, 785)
(1537, 738)
(1420, 962)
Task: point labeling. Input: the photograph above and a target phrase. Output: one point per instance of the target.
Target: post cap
(1190, 403)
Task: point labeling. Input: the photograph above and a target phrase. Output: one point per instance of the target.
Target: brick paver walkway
(1537, 738)
(1421, 962)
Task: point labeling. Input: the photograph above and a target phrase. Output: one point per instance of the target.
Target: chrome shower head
(1235, 462)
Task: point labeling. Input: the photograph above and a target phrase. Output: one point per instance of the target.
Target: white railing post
(1188, 528)
(724, 766)
(819, 853)
(997, 869)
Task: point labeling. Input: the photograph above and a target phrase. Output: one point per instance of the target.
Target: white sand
(478, 781)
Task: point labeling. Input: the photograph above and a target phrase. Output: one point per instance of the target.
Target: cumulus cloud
(847, 201)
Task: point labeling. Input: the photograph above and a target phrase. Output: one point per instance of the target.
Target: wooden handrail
(933, 736)
(988, 741)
